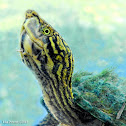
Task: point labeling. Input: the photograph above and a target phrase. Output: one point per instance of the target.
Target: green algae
(100, 95)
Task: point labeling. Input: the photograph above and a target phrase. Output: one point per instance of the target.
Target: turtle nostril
(29, 11)
(29, 14)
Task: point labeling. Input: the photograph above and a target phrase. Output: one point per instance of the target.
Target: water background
(94, 30)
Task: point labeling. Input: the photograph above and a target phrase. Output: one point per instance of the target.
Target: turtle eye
(46, 31)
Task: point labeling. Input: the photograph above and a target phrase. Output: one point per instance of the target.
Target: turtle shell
(102, 95)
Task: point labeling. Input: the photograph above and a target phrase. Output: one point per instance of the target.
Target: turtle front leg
(49, 120)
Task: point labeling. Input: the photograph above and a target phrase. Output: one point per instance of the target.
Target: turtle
(82, 99)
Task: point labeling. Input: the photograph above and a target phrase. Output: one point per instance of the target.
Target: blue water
(93, 50)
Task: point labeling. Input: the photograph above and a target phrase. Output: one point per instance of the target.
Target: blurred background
(95, 30)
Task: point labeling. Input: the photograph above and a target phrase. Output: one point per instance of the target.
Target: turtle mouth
(30, 41)
(31, 28)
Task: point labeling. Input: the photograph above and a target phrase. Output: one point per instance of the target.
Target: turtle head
(35, 36)
(44, 51)
(36, 28)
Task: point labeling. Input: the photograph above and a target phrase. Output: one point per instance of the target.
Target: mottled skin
(45, 52)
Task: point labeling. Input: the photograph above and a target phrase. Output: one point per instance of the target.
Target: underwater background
(94, 30)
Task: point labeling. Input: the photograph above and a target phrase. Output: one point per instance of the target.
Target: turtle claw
(19, 50)
(120, 111)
